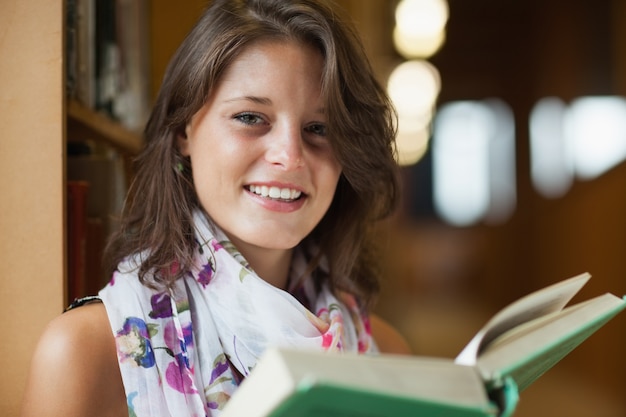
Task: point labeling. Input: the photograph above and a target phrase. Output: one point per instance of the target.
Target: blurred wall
(443, 282)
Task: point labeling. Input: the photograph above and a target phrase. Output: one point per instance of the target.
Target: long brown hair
(157, 217)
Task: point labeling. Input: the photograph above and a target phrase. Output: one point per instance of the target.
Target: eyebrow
(258, 100)
(265, 101)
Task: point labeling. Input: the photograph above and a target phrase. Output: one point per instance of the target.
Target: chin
(277, 244)
(270, 236)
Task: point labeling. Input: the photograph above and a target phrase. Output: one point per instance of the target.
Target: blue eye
(318, 129)
(248, 118)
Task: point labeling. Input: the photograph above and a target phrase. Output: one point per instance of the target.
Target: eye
(248, 118)
(318, 129)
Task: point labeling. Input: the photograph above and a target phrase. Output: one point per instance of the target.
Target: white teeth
(285, 193)
(275, 192)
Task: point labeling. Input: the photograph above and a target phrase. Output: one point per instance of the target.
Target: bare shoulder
(388, 339)
(74, 369)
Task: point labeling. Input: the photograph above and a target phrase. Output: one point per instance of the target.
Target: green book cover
(528, 351)
(318, 399)
(295, 383)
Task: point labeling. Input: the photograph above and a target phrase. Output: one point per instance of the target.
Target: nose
(285, 147)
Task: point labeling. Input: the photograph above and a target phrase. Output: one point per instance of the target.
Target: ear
(182, 142)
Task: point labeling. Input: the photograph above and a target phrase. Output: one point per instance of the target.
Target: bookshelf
(83, 122)
(37, 122)
(108, 101)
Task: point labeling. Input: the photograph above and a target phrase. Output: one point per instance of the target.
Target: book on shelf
(71, 53)
(77, 192)
(108, 69)
(132, 102)
(80, 51)
(97, 186)
(104, 170)
(107, 58)
(513, 349)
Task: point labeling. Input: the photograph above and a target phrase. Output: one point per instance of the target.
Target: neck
(272, 265)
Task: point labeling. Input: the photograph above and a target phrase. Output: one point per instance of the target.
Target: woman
(269, 156)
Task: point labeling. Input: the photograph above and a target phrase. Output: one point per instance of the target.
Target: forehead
(292, 56)
(274, 66)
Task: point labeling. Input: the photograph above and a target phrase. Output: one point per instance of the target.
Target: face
(262, 162)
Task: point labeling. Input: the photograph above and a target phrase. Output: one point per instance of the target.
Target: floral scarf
(183, 352)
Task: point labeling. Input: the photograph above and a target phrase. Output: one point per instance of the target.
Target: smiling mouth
(275, 193)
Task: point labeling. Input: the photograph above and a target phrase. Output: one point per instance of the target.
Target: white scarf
(182, 352)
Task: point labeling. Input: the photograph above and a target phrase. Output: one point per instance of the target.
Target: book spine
(85, 53)
(77, 192)
(71, 39)
(132, 102)
(94, 250)
(107, 56)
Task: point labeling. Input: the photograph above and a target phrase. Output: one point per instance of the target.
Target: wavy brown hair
(157, 217)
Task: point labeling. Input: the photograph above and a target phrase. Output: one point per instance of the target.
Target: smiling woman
(277, 144)
(269, 156)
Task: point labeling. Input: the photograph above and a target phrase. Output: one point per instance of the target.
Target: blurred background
(519, 180)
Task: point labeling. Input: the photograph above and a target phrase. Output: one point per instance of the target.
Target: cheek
(205, 170)
(325, 162)
(330, 180)
(334, 171)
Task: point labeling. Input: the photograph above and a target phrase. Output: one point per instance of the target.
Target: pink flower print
(363, 345)
(367, 324)
(112, 280)
(161, 306)
(220, 366)
(364, 333)
(217, 400)
(179, 376)
(360, 319)
(219, 375)
(327, 340)
(174, 341)
(173, 269)
(336, 328)
(206, 274)
(216, 245)
(322, 313)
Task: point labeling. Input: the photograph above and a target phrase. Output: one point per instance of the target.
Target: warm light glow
(420, 27)
(418, 46)
(502, 162)
(595, 127)
(421, 17)
(551, 164)
(413, 87)
(412, 145)
(474, 162)
(583, 140)
(460, 163)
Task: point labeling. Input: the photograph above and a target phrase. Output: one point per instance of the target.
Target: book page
(539, 303)
(529, 350)
(313, 383)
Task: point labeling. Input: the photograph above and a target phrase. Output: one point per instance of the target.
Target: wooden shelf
(83, 123)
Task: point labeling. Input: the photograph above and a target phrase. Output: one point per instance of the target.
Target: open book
(514, 348)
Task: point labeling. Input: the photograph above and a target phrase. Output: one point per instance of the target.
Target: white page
(547, 300)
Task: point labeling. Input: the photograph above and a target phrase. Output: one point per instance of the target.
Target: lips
(275, 193)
